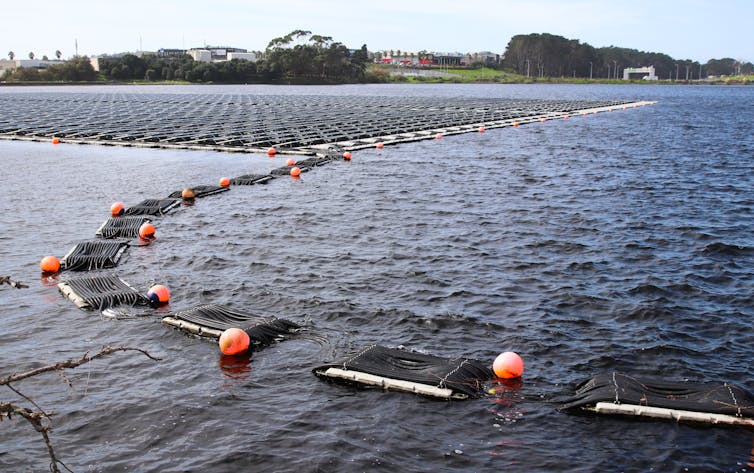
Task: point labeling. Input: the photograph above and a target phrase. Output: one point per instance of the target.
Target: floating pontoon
(122, 227)
(408, 371)
(94, 254)
(101, 291)
(712, 403)
(210, 320)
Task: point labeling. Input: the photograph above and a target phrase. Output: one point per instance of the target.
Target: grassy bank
(487, 75)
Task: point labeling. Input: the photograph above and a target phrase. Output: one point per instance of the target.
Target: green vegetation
(301, 57)
(546, 55)
(78, 69)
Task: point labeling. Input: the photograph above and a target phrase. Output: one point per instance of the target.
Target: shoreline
(407, 81)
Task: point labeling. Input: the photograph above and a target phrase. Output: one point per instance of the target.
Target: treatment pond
(617, 242)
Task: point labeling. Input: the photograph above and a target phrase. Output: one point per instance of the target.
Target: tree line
(298, 57)
(546, 55)
(301, 57)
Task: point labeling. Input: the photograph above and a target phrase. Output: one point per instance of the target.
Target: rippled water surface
(621, 241)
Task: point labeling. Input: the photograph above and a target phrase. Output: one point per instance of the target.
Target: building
(243, 56)
(167, 52)
(220, 53)
(647, 73)
(200, 55)
(486, 58)
(6, 64)
(398, 58)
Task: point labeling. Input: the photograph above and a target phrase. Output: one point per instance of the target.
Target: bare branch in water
(39, 419)
(7, 280)
(72, 363)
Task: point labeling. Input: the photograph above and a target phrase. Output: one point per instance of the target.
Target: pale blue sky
(684, 29)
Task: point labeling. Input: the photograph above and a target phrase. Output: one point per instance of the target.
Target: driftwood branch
(72, 363)
(39, 419)
(7, 280)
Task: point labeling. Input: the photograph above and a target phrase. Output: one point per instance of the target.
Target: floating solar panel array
(303, 124)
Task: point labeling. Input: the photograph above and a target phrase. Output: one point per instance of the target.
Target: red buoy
(271, 152)
(515, 123)
(438, 136)
(234, 341)
(290, 162)
(225, 182)
(508, 365)
(347, 155)
(380, 145)
(159, 294)
(49, 264)
(481, 129)
(56, 141)
(146, 231)
(117, 209)
(295, 171)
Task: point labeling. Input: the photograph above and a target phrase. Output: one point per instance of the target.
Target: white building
(200, 55)
(220, 53)
(242, 56)
(647, 73)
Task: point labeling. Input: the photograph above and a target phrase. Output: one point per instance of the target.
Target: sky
(684, 29)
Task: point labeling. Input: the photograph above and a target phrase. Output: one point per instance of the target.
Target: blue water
(620, 241)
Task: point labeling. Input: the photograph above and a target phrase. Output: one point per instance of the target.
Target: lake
(618, 242)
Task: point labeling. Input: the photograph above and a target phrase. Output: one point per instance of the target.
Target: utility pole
(687, 73)
(76, 41)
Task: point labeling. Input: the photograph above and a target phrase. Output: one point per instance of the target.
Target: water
(613, 242)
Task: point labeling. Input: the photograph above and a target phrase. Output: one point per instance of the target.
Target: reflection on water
(236, 367)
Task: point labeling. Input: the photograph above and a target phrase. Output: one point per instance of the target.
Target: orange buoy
(290, 162)
(295, 171)
(55, 140)
(234, 341)
(49, 264)
(117, 209)
(542, 120)
(188, 193)
(566, 117)
(225, 182)
(380, 145)
(515, 123)
(347, 155)
(481, 129)
(146, 231)
(508, 365)
(271, 152)
(159, 294)
(438, 136)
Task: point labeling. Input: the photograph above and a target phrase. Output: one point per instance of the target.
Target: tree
(45, 58)
(31, 55)
(11, 55)
(721, 67)
(58, 54)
